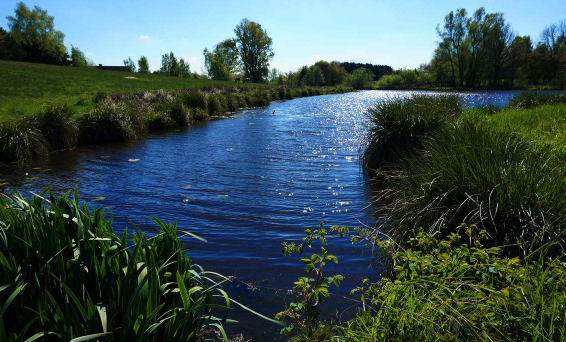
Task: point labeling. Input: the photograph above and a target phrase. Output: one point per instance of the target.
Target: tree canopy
(34, 31)
(255, 49)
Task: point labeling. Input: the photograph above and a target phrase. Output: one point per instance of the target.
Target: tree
(314, 76)
(78, 58)
(143, 65)
(130, 65)
(170, 65)
(498, 50)
(255, 49)
(184, 68)
(336, 74)
(215, 69)
(227, 53)
(34, 30)
(360, 77)
(452, 37)
(3, 46)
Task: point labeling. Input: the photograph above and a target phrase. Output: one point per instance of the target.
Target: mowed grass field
(26, 88)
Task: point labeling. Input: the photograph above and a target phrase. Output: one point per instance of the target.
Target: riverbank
(118, 116)
(475, 235)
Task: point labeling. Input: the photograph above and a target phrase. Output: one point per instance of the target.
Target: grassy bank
(30, 87)
(474, 239)
(128, 114)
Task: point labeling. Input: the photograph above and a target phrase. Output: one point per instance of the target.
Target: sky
(400, 33)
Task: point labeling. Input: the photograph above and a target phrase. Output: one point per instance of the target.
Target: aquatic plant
(66, 275)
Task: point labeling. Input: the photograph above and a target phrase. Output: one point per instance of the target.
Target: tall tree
(498, 49)
(34, 30)
(227, 53)
(130, 65)
(143, 65)
(255, 49)
(215, 68)
(452, 35)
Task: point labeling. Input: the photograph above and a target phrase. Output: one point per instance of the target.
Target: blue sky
(398, 33)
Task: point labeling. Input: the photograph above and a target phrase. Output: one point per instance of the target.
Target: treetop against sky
(397, 33)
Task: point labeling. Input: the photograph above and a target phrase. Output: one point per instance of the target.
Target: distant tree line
(377, 70)
(482, 50)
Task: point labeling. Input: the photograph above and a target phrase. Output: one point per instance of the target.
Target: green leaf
(183, 291)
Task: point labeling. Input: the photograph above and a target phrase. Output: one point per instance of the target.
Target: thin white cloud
(142, 37)
(319, 57)
(89, 53)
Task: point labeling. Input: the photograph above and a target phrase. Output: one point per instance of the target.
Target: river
(245, 184)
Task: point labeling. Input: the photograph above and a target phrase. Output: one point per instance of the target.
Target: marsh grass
(528, 100)
(57, 127)
(66, 275)
(397, 127)
(20, 141)
(473, 174)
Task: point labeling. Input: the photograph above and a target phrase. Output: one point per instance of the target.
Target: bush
(456, 289)
(389, 82)
(20, 141)
(474, 175)
(194, 99)
(179, 113)
(66, 274)
(158, 120)
(397, 127)
(57, 127)
(214, 106)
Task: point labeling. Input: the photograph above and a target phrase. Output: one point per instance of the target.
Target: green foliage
(130, 65)
(66, 275)
(311, 291)
(143, 65)
(57, 128)
(397, 127)
(20, 141)
(215, 68)
(457, 289)
(359, 78)
(255, 49)
(529, 100)
(34, 31)
(78, 58)
(473, 174)
(111, 121)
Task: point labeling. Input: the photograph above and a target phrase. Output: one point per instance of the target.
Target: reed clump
(397, 127)
(67, 275)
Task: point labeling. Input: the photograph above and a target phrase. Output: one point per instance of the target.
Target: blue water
(245, 184)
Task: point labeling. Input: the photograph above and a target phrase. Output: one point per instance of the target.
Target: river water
(245, 184)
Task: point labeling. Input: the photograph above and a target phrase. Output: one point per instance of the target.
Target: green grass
(543, 124)
(27, 88)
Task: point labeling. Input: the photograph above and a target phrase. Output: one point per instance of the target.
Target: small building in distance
(112, 68)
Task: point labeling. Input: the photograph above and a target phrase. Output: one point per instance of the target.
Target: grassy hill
(25, 88)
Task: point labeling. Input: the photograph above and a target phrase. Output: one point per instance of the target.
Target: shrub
(456, 289)
(474, 175)
(20, 141)
(397, 127)
(158, 120)
(67, 275)
(232, 103)
(57, 127)
(194, 99)
(281, 93)
(179, 113)
(214, 106)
